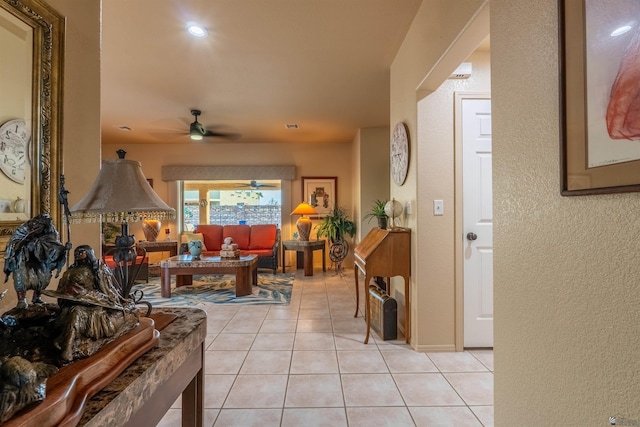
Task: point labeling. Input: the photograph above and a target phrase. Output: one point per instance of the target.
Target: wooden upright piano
(384, 253)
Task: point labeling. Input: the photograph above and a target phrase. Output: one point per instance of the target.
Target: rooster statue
(33, 252)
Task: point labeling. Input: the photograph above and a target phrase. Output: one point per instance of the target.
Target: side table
(306, 247)
(170, 246)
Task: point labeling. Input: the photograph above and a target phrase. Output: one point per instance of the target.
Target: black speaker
(384, 313)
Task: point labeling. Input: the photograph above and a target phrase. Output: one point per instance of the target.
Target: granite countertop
(116, 402)
(303, 243)
(188, 261)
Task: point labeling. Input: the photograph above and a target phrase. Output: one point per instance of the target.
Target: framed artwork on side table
(321, 192)
(600, 77)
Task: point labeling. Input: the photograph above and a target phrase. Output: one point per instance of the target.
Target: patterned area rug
(220, 289)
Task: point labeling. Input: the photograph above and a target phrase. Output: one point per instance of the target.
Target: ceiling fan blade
(254, 185)
(215, 134)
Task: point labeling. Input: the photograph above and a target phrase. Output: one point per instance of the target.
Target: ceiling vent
(462, 72)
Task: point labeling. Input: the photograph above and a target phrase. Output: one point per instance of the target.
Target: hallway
(305, 364)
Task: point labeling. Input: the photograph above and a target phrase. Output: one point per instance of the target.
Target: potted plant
(377, 211)
(335, 225)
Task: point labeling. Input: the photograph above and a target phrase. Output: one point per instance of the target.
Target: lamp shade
(304, 208)
(121, 193)
(304, 223)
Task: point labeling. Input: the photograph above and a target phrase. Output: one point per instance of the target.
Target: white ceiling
(321, 64)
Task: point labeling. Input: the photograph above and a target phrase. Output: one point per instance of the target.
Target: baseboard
(436, 348)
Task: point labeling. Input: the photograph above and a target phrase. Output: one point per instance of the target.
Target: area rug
(219, 289)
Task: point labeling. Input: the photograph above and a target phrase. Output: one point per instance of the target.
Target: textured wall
(436, 170)
(373, 178)
(435, 27)
(567, 270)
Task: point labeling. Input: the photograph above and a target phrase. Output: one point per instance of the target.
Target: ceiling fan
(197, 131)
(255, 185)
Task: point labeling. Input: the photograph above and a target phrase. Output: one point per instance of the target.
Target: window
(231, 202)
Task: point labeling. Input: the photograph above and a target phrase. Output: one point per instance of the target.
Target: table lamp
(122, 194)
(304, 222)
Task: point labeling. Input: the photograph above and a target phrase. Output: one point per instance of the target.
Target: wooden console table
(306, 247)
(384, 253)
(170, 246)
(145, 391)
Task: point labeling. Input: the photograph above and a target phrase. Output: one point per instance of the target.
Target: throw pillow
(193, 236)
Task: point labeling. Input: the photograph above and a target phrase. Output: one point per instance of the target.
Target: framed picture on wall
(320, 192)
(600, 64)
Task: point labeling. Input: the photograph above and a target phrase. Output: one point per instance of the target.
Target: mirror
(31, 54)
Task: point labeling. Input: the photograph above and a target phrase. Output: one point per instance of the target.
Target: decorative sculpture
(92, 312)
(37, 339)
(21, 384)
(33, 252)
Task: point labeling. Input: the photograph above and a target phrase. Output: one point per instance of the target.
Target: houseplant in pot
(377, 211)
(334, 226)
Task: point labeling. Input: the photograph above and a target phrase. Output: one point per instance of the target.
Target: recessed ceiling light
(196, 30)
(291, 126)
(621, 30)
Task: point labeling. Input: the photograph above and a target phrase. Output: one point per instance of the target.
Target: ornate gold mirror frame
(32, 50)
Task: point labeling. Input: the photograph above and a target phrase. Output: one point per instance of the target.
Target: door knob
(472, 236)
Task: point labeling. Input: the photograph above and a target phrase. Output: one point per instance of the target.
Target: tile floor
(305, 365)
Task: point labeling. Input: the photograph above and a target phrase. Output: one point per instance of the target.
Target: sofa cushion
(263, 236)
(212, 236)
(239, 233)
(259, 252)
(109, 262)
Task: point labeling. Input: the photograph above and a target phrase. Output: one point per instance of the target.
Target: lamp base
(304, 228)
(151, 229)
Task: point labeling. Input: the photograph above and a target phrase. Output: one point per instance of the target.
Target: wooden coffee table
(185, 266)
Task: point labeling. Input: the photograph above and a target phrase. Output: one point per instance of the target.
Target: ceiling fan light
(196, 131)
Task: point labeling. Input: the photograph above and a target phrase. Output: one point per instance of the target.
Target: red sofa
(143, 270)
(259, 239)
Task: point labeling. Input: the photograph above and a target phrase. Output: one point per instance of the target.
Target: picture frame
(600, 146)
(321, 192)
(32, 34)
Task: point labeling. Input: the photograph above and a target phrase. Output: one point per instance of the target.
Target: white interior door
(477, 222)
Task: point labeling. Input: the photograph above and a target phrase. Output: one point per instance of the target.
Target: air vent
(462, 72)
(291, 126)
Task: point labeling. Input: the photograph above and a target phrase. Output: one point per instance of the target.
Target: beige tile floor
(305, 365)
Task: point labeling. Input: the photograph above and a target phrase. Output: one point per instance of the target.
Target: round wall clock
(399, 153)
(14, 137)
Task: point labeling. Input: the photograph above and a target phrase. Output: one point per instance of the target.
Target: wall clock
(14, 137)
(399, 153)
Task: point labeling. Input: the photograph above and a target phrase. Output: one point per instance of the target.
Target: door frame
(458, 226)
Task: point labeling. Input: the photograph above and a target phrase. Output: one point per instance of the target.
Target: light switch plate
(438, 207)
